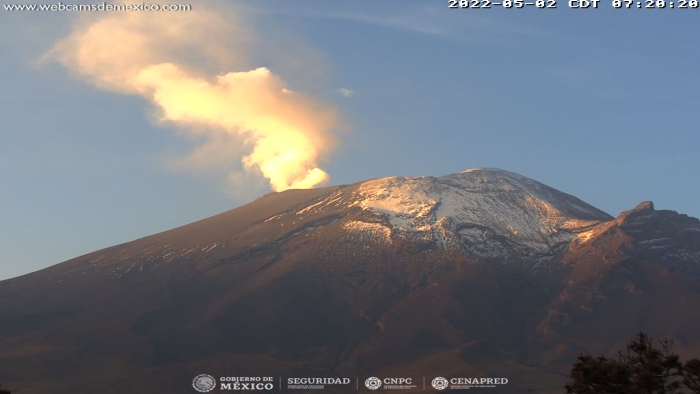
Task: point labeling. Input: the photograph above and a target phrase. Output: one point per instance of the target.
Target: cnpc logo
(375, 383)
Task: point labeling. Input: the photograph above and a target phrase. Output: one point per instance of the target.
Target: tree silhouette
(3, 391)
(642, 368)
(691, 375)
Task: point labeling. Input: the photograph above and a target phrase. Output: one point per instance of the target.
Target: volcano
(480, 274)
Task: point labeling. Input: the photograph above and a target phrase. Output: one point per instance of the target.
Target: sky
(118, 125)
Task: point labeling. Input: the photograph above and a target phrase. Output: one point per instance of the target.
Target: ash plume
(168, 57)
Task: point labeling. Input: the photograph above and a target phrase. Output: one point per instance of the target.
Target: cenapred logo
(440, 383)
(204, 383)
(373, 383)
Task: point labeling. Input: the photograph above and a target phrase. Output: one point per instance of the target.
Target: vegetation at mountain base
(645, 367)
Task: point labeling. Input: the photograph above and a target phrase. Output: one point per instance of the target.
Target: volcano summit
(484, 273)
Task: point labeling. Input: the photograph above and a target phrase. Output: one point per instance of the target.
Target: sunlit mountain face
(485, 273)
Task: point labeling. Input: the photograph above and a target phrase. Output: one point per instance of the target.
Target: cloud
(415, 17)
(346, 92)
(407, 21)
(172, 60)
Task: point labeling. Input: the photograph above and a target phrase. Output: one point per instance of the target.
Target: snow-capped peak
(477, 208)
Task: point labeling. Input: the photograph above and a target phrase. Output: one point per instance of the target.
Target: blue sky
(599, 103)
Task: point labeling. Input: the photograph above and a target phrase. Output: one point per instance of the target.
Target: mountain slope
(482, 273)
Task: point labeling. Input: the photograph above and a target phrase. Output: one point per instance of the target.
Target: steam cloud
(159, 56)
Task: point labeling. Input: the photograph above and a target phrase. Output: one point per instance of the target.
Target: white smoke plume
(167, 58)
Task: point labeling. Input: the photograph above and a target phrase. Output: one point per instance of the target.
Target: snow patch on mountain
(364, 232)
(478, 209)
